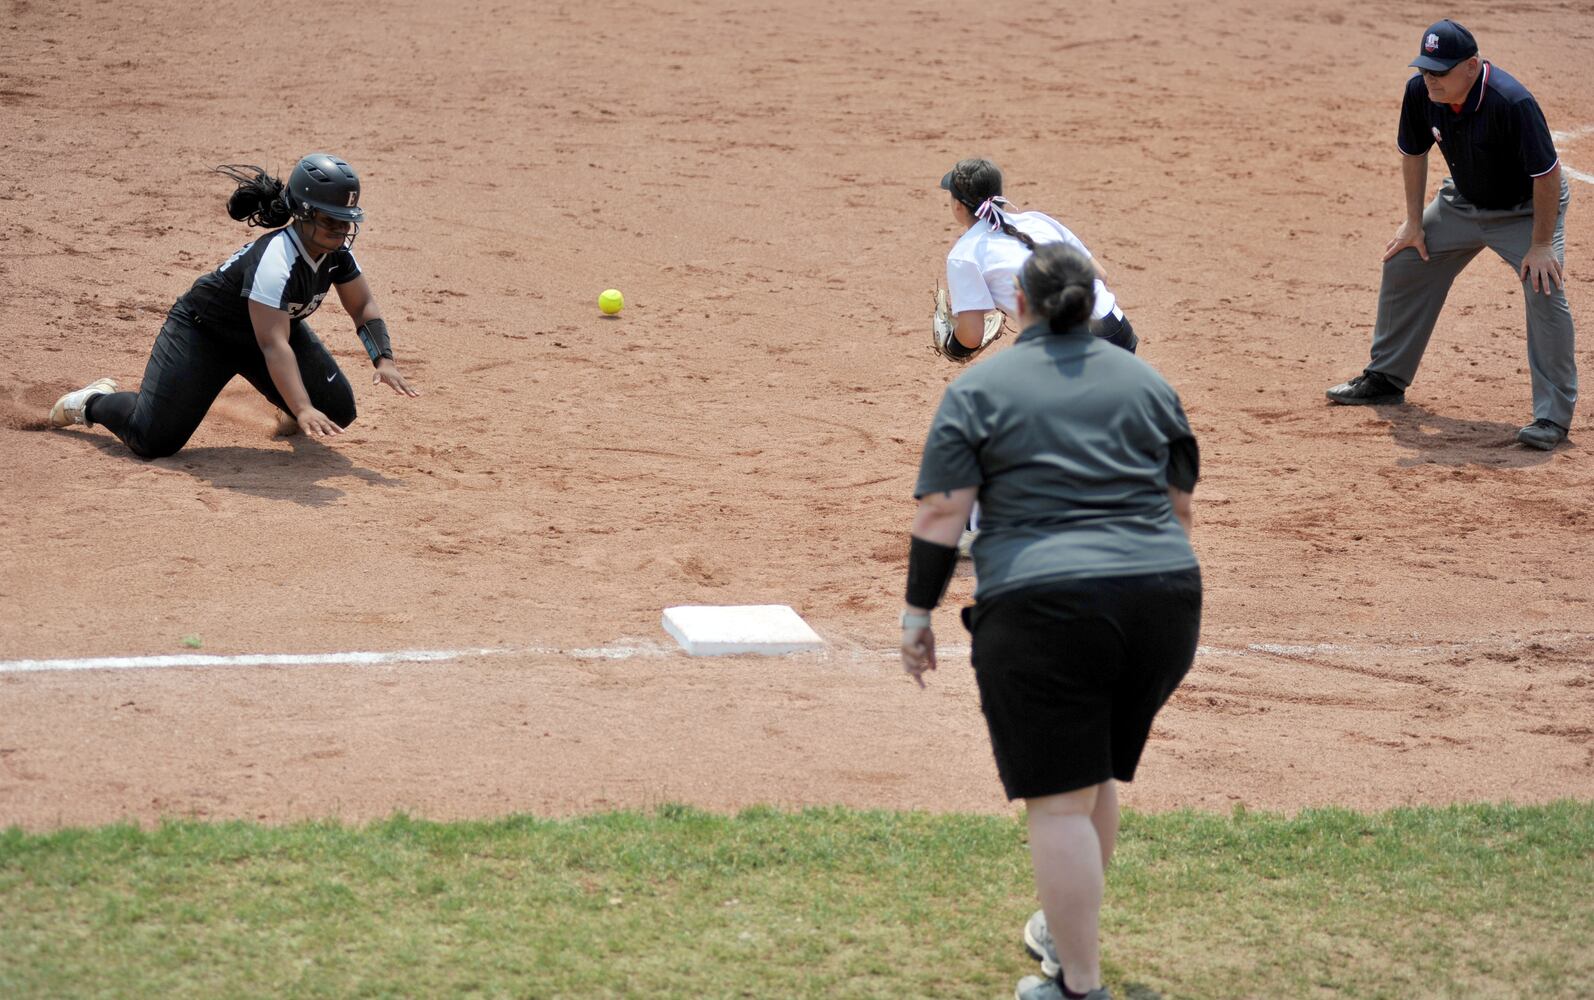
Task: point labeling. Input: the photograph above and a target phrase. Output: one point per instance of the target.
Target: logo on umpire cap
(1431, 43)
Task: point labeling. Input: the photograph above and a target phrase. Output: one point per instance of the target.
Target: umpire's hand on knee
(1540, 267)
(1409, 234)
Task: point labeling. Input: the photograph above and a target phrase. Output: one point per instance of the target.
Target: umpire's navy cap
(1443, 45)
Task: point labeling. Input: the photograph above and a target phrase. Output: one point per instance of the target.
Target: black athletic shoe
(1367, 389)
(1542, 434)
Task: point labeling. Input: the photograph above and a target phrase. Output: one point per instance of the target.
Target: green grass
(1476, 901)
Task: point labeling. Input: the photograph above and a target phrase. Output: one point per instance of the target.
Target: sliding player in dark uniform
(247, 318)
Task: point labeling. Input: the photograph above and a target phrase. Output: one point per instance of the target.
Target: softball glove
(943, 326)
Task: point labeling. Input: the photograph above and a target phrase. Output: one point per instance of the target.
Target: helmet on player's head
(326, 184)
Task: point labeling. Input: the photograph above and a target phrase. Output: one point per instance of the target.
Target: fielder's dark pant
(187, 369)
(1116, 331)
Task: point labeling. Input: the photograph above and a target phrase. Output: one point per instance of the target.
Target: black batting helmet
(327, 184)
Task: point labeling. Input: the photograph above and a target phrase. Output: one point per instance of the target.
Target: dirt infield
(1399, 600)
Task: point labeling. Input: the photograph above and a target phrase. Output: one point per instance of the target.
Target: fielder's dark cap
(947, 184)
(1443, 45)
(973, 180)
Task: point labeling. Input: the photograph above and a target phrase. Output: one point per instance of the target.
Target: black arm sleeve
(930, 566)
(1184, 464)
(373, 335)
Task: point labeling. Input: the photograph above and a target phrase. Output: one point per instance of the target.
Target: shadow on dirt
(299, 476)
(1438, 439)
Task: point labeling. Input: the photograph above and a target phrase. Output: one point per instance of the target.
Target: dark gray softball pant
(1414, 290)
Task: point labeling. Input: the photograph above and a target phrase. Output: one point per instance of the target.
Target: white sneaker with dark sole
(1038, 942)
(69, 409)
(1036, 988)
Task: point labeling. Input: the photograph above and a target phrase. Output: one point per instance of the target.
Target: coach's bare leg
(1105, 819)
(1069, 856)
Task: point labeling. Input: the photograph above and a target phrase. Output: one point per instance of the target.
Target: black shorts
(1072, 673)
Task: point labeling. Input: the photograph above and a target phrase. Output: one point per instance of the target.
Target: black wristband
(930, 566)
(373, 334)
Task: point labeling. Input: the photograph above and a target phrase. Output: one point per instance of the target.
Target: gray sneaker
(1036, 988)
(1038, 942)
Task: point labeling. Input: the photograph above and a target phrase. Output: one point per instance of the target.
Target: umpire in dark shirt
(1505, 192)
(1088, 605)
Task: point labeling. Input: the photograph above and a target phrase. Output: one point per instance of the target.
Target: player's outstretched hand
(1408, 235)
(317, 424)
(1539, 268)
(387, 371)
(918, 652)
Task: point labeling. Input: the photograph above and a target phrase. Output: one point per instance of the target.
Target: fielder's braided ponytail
(1017, 233)
(260, 199)
(977, 183)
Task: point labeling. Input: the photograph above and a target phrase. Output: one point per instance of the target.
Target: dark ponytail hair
(260, 199)
(975, 180)
(1060, 284)
(1017, 233)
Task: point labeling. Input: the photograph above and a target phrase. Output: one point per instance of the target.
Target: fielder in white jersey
(982, 267)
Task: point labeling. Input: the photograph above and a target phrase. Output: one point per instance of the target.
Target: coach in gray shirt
(1088, 602)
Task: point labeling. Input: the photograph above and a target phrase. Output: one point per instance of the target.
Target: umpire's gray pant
(1414, 290)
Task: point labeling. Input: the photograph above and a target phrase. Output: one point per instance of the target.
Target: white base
(769, 629)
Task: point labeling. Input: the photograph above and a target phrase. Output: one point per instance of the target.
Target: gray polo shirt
(1067, 438)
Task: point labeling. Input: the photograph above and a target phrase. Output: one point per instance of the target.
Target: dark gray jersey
(1068, 439)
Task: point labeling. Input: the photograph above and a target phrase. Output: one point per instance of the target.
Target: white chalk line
(352, 659)
(633, 650)
(1565, 137)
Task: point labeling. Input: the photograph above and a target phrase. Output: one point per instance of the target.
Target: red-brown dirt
(1399, 600)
